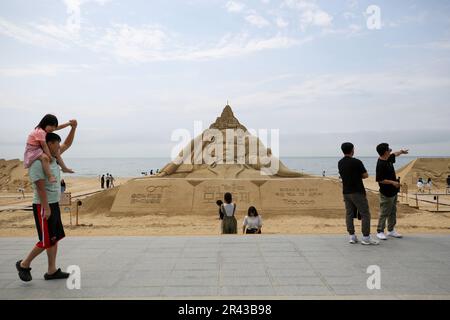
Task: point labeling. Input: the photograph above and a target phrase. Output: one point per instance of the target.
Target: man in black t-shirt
(352, 172)
(389, 188)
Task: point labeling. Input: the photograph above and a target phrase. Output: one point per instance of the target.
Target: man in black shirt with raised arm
(352, 172)
(389, 188)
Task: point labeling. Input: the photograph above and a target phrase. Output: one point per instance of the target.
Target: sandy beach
(96, 218)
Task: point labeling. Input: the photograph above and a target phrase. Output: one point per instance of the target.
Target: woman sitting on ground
(229, 223)
(252, 222)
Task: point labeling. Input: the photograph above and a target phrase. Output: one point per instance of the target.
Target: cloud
(139, 44)
(281, 23)
(442, 45)
(310, 13)
(234, 6)
(339, 86)
(152, 43)
(257, 20)
(41, 70)
(29, 35)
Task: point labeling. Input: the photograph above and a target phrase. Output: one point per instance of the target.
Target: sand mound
(437, 169)
(13, 176)
(100, 203)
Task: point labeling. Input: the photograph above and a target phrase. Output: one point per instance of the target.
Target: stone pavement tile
(154, 267)
(297, 281)
(158, 255)
(8, 274)
(4, 283)
(243, 266)
(303, 290)
(197, 260)
(280, 253)
(345, 290)
(139, 280)
(292, 272)
(190, 291)
(239, 254)
(195, 282)
(246, 259)
(414, 289)
(243, 273)
(269, 259)
(337, 272)
(245, 281)
(243, 291)
(197, 266)
(23, 294)
(288, 265)
(351, 280)
(194, 273)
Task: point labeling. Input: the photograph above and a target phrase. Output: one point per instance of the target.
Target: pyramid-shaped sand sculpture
(192, 183)
(257, 163)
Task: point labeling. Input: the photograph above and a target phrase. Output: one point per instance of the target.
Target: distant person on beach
(37, 148)
(429, 185)
(323, 173)
(352, 173)
(63, 186)
(420, 185)
(46, 209)
(108, 181)
(448, 181)
(389, 188)
(252, 222)
(102, 181)
(111, 179)
(229, 222)
(151, 172)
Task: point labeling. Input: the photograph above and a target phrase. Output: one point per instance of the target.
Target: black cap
(382, 148)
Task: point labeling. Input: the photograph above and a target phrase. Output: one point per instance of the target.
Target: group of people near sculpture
(353, 172)
(252, 222)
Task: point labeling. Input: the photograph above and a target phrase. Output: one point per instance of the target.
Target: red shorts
(50, 230)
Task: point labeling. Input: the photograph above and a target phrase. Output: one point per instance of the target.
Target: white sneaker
(353, 239)
(395, 234)
(367, 241)
(381, 236)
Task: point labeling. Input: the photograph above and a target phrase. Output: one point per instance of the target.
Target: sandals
(24, 273)
(57, 275)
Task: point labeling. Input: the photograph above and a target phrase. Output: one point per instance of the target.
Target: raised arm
(68, 142)
(399, 153)
(62, 126)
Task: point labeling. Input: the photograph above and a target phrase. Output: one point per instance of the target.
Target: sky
(322, 72)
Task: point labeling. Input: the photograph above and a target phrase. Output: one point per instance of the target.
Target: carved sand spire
(227, 120)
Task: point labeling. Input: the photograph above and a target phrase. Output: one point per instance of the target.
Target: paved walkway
(252, 267)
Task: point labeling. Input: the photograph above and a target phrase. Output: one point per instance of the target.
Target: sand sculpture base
(187, 196)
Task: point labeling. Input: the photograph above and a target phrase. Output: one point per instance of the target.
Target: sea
(138, 167)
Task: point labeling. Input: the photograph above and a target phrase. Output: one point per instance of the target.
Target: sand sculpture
(438, 169)
(188, 187)
(13, 176)
(250, 165)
